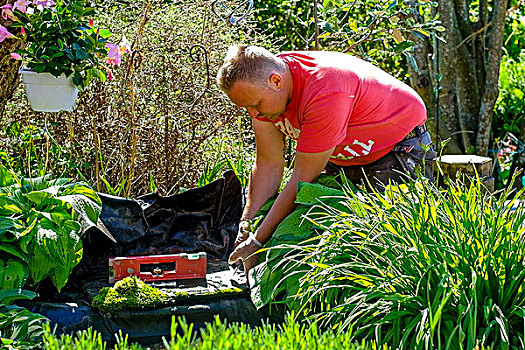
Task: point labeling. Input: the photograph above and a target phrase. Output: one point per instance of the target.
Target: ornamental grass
(415, 267)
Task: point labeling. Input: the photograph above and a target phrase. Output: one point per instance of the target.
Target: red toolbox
(158, 267)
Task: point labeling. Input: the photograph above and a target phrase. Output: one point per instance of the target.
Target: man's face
(260, 101)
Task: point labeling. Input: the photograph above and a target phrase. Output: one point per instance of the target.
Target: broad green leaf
(9, 295)
(404, 45)
(80, 189)
(60, 276)
(105, 33)
(88, 210)
(37, 183)
(6, 223)
(40, 263)
(295, 227)
(38, 197)
(312, 193)
(6, 177)
(13, 250)
(14, 275)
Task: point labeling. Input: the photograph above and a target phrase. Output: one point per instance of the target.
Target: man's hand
(243, 233)
(245, 253)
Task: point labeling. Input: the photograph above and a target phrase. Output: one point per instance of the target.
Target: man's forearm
(265, 181)
(307, 168)
(284, 205)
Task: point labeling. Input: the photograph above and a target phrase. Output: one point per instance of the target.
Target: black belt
(416, 132)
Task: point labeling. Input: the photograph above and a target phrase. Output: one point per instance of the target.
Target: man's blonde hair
(247, 63)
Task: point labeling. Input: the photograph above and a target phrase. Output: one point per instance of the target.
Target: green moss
(129, 294)
(133, 294)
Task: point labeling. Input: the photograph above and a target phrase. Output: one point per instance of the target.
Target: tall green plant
(415, 267)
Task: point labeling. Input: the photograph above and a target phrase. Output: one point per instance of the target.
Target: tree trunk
(465, 71)
(8, 67)
(492, 66)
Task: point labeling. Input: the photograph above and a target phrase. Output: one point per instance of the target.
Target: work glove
(243, 233)
(245, 253)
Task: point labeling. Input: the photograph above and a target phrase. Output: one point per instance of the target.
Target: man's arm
(307, 168)
(267, 172)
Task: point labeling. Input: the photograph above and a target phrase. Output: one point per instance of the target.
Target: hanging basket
(47, 93)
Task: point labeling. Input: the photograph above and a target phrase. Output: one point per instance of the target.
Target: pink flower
(43, 4)
(15, 56)
(113, 54)
(110, 74)
(125, 46)
(91, 23)
(22, 30)
(7, 11)
(21, 5)
(4, 34)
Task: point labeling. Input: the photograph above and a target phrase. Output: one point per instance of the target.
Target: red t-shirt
(344, 102)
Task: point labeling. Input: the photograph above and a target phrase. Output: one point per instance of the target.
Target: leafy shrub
(415, 267)
(509, 110)
(515, 30)
(19, 328)
(375, 31)
(40, 226)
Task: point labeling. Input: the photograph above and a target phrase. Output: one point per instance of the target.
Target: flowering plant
(62, 39)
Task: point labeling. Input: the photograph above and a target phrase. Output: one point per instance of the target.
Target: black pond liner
(203, 219)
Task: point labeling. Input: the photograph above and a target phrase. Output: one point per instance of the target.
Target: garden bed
(201, 219)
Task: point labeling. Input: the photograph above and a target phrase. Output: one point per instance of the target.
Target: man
(344, 113)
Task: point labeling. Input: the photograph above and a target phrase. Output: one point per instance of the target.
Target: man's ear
(275, 81)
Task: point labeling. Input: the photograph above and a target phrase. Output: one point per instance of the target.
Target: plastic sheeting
(201, 219)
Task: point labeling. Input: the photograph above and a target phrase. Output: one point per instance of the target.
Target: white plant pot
(49, 94)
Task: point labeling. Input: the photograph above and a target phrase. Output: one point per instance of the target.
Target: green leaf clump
(41, 220)
(129, 293)
(19, 328)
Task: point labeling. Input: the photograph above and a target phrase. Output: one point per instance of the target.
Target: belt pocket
(414, 146)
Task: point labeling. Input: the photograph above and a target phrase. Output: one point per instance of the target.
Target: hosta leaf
(295, 227)
(14, 275)
(13, 250)
(40, 263)
(88, 209)
(258, 276)
(38, 197)
(8, 206)
(6, 223)
(312, 193)
(6, 177)
(37, 183)
(60, 276)
(9, 295)
(16, 202)
(82, 190)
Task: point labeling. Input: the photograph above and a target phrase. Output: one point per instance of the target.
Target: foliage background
(158, 126)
